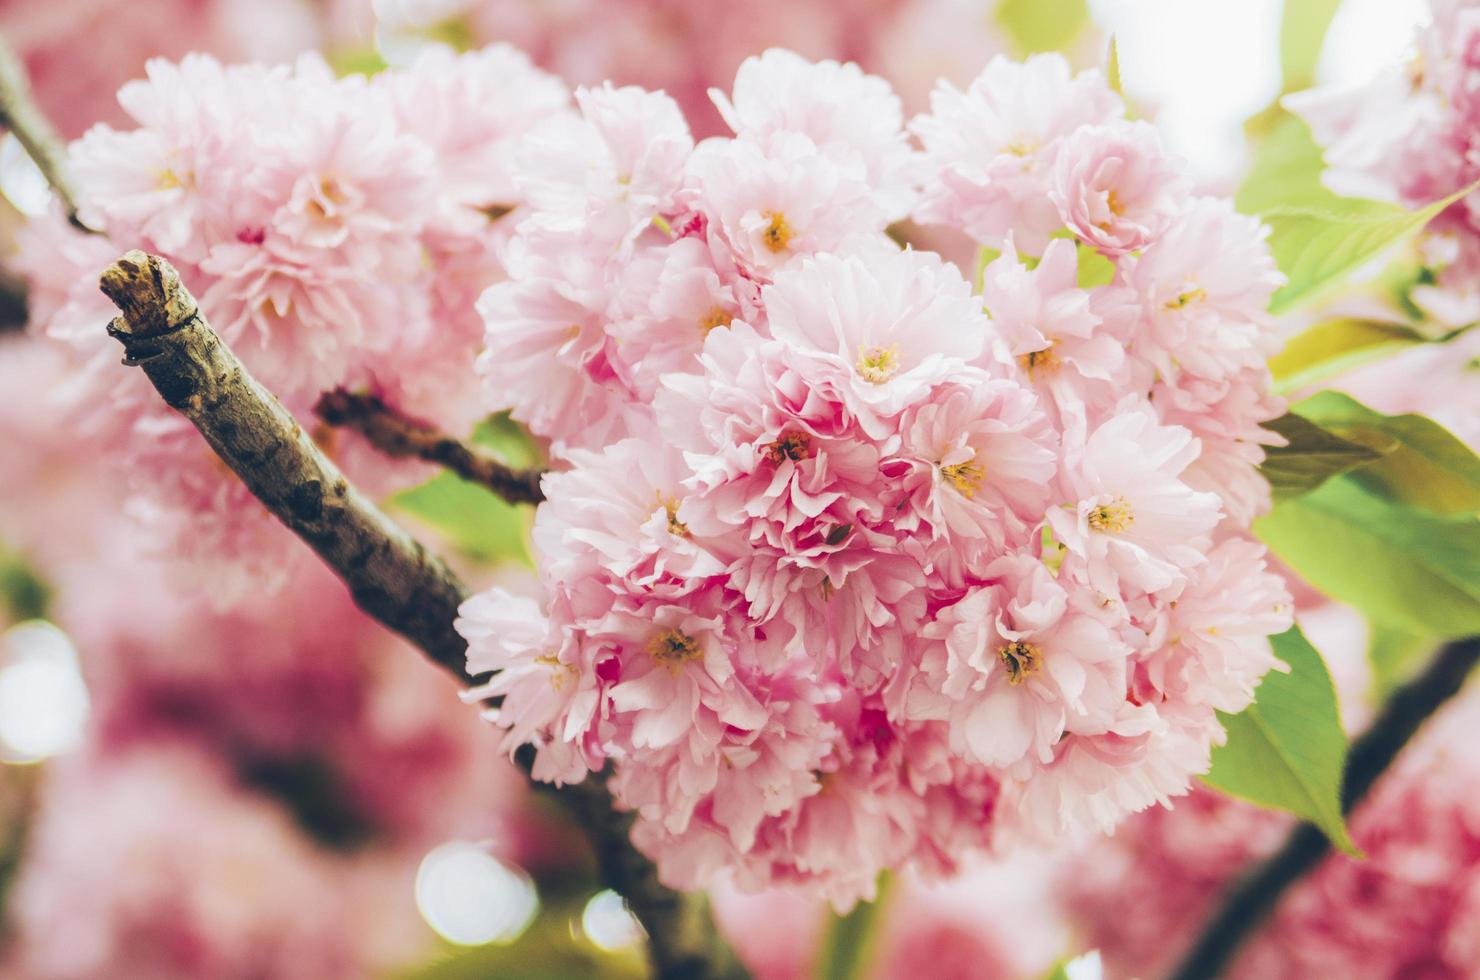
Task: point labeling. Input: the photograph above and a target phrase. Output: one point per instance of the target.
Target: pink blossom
(1130, 517)
(978, 462)
(887, 325)
(1050, 326)
(1115, 188)
(848, 114)
(1018, 666)
(768, 206)
(993, 147)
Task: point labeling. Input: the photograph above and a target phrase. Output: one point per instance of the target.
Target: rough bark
(392, 577)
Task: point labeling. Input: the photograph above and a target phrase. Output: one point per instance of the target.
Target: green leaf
(1393, 654)
(1286, 171)
(1042, 25)
(1094, 268)
(1312, 456)
(22, 592)
(1403, 567)
(1112, 69)
(985, 256)
(1316, 247)
(1335, 347)
(1302, 32)
(550, 950)
(1059, 971)
(849, 944)
(477, 523)
(1287, 749)
(1424, 465)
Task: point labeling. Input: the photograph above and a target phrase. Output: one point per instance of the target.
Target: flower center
(876, 364)
(965, 477)
(778, 233)
(673, 648)
(559, 672)
(1113, 517)
(1040, 360)
(1022, 661)
(676, 527)
(795, 446)
(1184, 300)
(717, 317)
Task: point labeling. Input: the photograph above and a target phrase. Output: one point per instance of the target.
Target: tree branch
(394, 434)
(392, 577)
(14, 305)
(1250, 900)
(19, 114)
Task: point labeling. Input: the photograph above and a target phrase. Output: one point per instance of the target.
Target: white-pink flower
(1115, 188)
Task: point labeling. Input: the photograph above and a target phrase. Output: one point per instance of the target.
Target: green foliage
(1423, 464)
(1405, 568)
(1393, 655)
(23, 595)
(549, 950)
(985, 256)
(1042, 25)
(1302, 31)
(1287, 749)
(1316, 247)
(1286, 171)
(1094, 268)
(1313, 455)
(475, 521)
(849, 944)
(365, 60)
(1112, 69)
(1336, 346)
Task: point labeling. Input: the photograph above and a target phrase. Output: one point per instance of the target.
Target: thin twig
(394, 434)
(1250, 900)
(18, 802)
(14, 305)
(391, 576)
(20, 115)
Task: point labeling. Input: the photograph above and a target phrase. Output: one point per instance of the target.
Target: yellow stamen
(795, 446)
(965, 477)
(673, 648)
(1112, 518)
(1039, 360)
(778, 233)
(676, 527)
(559, 672)
(1022, 661)
(878, 364)
(717, 317)
(1184, 299)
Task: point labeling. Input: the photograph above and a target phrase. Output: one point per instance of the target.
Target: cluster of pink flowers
(337, 231)
(847, 565)
(189, 876)
(1412, 135)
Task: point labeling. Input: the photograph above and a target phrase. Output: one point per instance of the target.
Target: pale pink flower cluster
(142, 866)
(1410, 908)
(848, 565)
(337, 232)
(1412, 135)
(77, 92)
